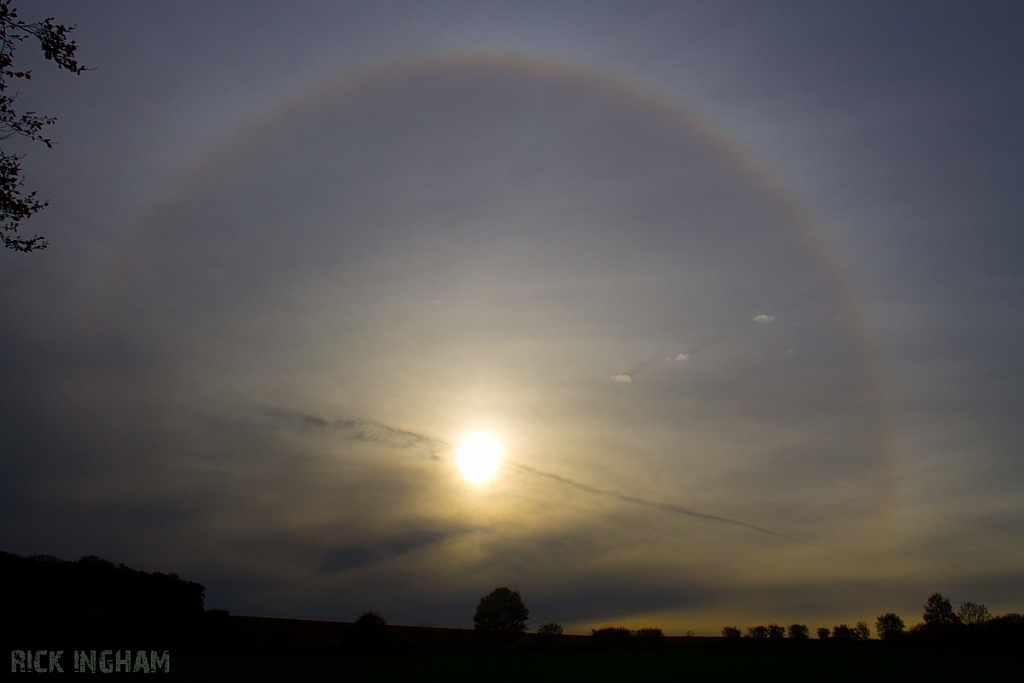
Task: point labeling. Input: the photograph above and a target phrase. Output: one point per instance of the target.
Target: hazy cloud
(622, 379)
(367, 430)
(347, 558)
(763, 318)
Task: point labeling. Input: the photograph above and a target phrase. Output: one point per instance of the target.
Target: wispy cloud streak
(363, 429)
(637, 500)
(379, 432)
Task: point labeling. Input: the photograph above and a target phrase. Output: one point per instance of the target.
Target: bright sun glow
(479, 457)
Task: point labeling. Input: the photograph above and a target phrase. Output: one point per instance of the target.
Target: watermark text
(91, 661)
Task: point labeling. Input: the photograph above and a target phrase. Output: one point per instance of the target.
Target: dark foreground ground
(220, 647)
(60, 616)
(768, 665)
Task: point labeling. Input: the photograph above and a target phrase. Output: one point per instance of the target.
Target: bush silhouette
(823, 633)
(501, 611)
(611, 633)
(614, 639)
(552, 628)
(649, 633)
(757, 632)
(731, 632)
(775, 631)
(889, 626)
(370, 629)
(370, 624)
(371, 620)
(844, 632)
(799, 631)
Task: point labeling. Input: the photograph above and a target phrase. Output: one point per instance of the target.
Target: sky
(736, 287)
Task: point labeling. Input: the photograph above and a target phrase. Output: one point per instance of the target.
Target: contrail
(637, 500)
(379, 432)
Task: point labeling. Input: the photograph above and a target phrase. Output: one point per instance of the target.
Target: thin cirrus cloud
(378, 432)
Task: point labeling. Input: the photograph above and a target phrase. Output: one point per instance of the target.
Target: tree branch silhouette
(53, 40)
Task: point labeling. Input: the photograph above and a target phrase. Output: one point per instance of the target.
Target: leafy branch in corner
(53, 39)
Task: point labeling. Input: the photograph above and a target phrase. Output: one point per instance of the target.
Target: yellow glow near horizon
(479, 457)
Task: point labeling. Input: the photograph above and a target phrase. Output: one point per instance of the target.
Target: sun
(479, 457)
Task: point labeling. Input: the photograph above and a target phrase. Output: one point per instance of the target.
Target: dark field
(91, 605)
(827, 665)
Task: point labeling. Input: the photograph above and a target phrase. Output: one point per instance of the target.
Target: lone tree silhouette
(862, 630)
(501, 611)
(53, 39)
(938, 610)
(889, 626)
(972, 614)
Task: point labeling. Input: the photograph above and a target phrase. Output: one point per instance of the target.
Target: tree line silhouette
(503, 612)
(972, 623)
(93, 585)
(93, 599)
